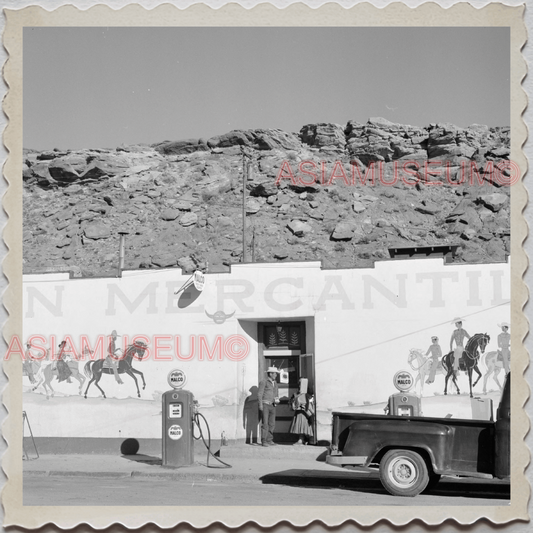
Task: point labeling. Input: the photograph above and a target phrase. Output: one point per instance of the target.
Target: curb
(172, 475)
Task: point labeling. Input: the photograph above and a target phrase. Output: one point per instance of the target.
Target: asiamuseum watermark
(410, 172)
(157, 347)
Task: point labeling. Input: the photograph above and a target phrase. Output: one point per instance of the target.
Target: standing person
(113, 351)
(28, 363)
(504, 342)
(267, 399)
(63, 370)
(458, 336)
(436, 356)
(304, 406)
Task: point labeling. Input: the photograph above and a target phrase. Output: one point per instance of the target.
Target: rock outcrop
(345, 194)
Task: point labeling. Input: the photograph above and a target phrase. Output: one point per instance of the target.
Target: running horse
(468, 361)
(95, 369)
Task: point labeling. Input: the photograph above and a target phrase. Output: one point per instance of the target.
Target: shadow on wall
(250, 417)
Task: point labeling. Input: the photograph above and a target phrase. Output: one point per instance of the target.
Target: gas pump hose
(207, 444)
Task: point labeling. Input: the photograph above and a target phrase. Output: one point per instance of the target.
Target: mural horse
(468, 362)
(494, 364)
(423, 366)
(95, 369)
(30, 369)
(49, 372)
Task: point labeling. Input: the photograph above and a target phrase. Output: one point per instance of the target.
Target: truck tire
(403, 473)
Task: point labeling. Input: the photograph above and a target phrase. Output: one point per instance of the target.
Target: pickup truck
(412, 453)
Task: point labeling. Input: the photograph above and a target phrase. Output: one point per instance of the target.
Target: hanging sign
(403, 380)
(177, 378)
(198, 279)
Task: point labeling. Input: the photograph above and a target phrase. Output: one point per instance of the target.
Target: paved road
(80, 490)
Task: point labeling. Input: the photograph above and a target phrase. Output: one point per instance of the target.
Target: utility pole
(244, 180)
(253, 244)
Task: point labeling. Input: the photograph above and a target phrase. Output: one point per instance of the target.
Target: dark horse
(468, 362)
(95, 369)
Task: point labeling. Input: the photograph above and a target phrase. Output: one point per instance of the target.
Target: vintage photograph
(269, 266)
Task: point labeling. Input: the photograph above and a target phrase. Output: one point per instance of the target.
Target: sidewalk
(249, 464)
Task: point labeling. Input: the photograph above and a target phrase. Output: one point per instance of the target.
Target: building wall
(360, 326)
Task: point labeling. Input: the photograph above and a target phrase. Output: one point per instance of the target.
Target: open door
(281, 345)
(307, 370)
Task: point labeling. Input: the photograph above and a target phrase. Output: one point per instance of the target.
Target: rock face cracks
(341, 194)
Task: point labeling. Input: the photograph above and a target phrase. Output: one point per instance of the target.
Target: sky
(104, 87)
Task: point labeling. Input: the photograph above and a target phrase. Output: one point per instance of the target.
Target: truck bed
(452, 445)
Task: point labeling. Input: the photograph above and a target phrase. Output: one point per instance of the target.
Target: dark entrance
(282, 345)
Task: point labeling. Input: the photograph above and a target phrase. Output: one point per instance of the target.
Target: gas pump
(180, 415)
(404, 403)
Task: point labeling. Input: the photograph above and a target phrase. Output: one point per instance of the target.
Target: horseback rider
(436, 356)
(28, 362)
(504, 341)
(113, 352)
(63, 370)
(458, 336)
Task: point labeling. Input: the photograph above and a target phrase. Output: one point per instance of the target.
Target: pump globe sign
(403, 380)
(177, 378)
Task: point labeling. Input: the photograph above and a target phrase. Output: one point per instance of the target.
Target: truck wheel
(403, 473)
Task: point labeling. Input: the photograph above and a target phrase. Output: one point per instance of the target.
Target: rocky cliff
(341, 194)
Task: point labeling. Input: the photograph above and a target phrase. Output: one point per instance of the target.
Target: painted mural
(98, 351)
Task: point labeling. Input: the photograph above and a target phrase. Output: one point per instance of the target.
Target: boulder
(61, 170)
(187, 263)
(299, 228)
(382, 123)
(281, 255)
(233, 138)
(105, 164)
(252, 206)
(274, 139)
(187, 146)
(170, 214)
(265, 188)
(344, 231)
(224, 222)
(358, 207)
(97, 230)
(182, 205)
(323, 135)
(189, 219)
(63, 242)
(494, 201)
(163, 260)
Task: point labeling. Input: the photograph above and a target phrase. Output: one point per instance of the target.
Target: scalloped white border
(235, 516)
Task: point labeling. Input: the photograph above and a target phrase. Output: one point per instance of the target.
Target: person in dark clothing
(267, 399)
(63, 370)
(303, 405)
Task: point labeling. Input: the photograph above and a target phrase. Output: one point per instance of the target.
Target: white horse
(494, 366)
(49, 372)
(423, 366)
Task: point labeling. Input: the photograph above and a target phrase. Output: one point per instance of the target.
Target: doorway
(283, 345)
